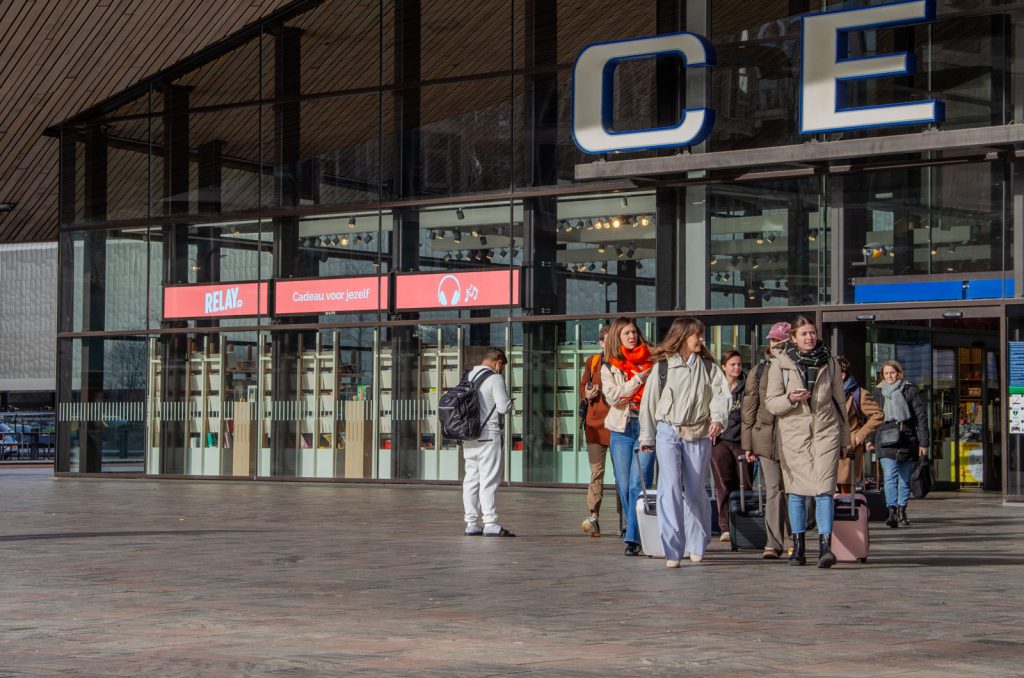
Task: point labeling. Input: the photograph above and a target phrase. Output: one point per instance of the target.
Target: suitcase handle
(740, 461)
(640, 471)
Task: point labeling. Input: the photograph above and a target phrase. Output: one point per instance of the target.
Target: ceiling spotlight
(490, 255)
(344, 241)
(477, 256)
(352, 223)
(323, 257)
(601, 248)
(447, 256)
(475, 233)
(811, 236)
(645, 221)
(760, 239)
(751, 294)
(591, 226)
(598, 225)
(770, 238)
(619, 252)
(624, 202)
(483, 240)
(639, 265)
(755, 264)
(503, 253)
(435, 235)
(631, 252)
(714, 260)
(591, 267)
(616, 222)
(358, 240)
(459, 214)
(335, 240)
(465, 256)
(368, 239)
(456, 237)
(604, 267)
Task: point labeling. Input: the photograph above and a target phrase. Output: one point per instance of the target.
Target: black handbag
(922, 479)
(584, 403)
(890, 435)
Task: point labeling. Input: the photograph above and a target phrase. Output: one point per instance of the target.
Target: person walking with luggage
(727, 448)
(683, 407)
(597, 436)
(759, 442)
(483, 456)
(627, 364)
(805, 392)
(864, 416)
(901, 439)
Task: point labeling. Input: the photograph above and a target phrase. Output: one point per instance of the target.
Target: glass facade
(369, 141)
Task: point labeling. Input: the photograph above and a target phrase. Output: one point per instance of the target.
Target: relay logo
(215, 301)
(223, 300)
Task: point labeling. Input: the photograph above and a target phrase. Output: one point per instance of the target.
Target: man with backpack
(483, 452)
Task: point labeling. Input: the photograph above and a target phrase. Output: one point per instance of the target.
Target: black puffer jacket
(734, 429)
(915, 430)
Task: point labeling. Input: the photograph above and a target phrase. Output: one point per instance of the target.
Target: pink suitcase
(850, 539)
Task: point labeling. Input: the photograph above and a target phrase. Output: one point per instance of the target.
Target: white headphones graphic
(456, 294)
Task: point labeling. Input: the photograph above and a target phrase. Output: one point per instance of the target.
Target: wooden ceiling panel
(61, 57)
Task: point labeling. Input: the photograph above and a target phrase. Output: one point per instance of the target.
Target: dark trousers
(725, 473)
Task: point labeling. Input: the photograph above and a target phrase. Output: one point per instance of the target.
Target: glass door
(945, 431)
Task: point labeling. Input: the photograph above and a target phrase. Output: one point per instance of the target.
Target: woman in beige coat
(805, 392)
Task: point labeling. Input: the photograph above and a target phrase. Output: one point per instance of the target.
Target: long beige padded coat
(811, 433)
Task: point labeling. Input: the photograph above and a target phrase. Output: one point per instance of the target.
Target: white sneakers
(671, 563)
(725, 538)
(694, 558)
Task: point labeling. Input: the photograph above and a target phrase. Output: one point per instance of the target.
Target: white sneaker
(725, 538)
(671, 563)
(694, 558)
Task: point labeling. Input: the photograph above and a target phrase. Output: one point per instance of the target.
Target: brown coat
(758, 432)
(812, 432)
(594, 429)
(873, 418)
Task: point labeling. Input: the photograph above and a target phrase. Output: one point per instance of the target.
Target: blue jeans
(823, 512)
(897, 481)
(627, 477)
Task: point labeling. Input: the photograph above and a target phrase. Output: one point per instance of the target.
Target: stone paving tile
(169, 578)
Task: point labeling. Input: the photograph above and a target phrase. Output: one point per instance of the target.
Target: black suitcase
(877, 510)
(746, 516)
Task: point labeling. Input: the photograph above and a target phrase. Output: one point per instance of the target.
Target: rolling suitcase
(746, 515)
(647, 517)
(850, 536)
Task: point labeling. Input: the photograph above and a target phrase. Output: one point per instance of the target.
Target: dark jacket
(915, 430)
(758, 422)
(734, 428)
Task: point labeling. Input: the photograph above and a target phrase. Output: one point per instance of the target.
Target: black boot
(893, 519)
(901, 516)
(825, 556)
(799, 555)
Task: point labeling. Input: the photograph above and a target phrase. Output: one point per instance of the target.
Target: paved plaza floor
(184, 578)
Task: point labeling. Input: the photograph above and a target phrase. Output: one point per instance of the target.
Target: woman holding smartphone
(805, 392)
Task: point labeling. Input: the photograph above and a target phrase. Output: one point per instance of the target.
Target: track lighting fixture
(352, 223)
(344, 241)
(459, 214)
(368, 239)
(483, 240)
(601, 248)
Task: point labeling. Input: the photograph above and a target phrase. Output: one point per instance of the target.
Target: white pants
(484, 466)
(684, 511)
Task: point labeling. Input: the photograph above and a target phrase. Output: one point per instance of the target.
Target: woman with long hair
(805, 392)
(684, 406)
(905, 413)
(627, 363)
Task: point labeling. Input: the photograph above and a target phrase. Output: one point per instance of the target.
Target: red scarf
(636, 360)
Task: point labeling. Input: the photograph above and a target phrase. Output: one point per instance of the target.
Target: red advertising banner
(330, 295)
(457, 289)
(223, 300)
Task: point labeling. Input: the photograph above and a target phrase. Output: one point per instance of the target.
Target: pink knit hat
(779, 331)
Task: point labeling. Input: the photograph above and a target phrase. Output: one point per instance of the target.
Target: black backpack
(459, 409)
